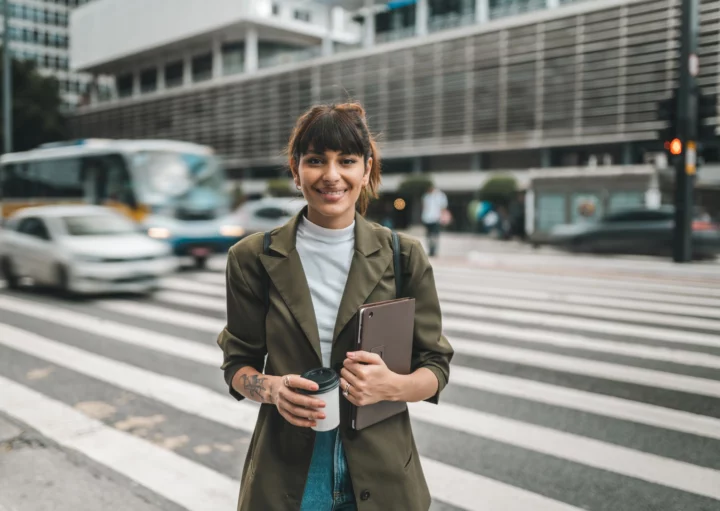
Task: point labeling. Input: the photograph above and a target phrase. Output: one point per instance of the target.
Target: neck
(331, 222)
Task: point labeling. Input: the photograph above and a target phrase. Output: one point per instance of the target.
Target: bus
(174, 191)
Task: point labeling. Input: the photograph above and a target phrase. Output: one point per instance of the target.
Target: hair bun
(355, 108)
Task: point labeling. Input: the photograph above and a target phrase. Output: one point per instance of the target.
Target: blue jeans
(328, 486)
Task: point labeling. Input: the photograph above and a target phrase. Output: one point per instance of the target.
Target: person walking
(434, 215)
(319, 268)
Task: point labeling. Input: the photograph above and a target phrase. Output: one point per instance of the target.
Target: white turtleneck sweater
(326, 255)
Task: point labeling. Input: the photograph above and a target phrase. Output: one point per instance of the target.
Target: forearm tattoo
(254, 385)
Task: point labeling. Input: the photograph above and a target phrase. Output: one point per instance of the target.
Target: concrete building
(454, 87)
(39, 32)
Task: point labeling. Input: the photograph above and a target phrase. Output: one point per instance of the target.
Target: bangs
(332, 131)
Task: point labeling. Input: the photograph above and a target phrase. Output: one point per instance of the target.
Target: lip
(331, 195)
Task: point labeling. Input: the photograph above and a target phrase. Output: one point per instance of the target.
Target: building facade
(489, 85)
(39, 32)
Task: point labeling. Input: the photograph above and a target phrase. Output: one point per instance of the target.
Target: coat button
(365, 495)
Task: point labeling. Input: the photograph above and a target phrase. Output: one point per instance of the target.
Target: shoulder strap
(397, 263)
(266, 251)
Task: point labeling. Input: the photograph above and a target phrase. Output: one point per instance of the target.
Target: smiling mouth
(331, 193)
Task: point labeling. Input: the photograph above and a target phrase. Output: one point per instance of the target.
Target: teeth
(340, 192)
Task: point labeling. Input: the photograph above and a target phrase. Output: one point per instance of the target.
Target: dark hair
(337, 127)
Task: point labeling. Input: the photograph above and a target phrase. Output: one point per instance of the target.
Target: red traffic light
(674, 146)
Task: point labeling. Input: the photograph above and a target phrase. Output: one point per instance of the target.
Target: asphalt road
(574, 386)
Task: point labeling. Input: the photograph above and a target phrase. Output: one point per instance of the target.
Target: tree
(281, 187)
(37, 116)
(412, 188)
(499, 190)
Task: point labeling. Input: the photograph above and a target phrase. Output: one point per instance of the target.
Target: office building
(39, 32)
(455, 88)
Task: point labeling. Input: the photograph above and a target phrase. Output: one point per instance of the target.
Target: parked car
(81, 249)
(637, 231)
(267, 213)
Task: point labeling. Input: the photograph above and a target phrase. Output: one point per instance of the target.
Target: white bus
(175, 191)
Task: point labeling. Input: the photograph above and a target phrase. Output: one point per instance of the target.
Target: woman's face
(331, 183)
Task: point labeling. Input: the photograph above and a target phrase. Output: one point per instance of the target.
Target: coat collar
(366, 238)
(284, 267)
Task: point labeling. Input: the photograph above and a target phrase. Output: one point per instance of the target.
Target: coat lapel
(368, 266)
(286, 272)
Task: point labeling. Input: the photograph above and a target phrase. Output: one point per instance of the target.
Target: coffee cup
(328, 391)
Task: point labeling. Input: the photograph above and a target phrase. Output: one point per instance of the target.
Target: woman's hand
(369, 378)
(298, 409)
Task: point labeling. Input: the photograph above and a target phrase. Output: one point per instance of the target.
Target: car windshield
(183, 180)
(97, 225)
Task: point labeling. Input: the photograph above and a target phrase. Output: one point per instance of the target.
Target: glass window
(302, 15)
(551, 211)
(202, 67)
(58, 178)
(107, 180)
(34, 227)
(125, 85)
(233, 55)
(586, 207)
(625, 200)
(15, 181)
(270, 213)
(148, 80)
(97, 225)
(174, 74)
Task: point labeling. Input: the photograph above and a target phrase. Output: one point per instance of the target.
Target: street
(577, 383)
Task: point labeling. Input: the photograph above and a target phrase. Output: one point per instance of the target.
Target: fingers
(300, 412)
(365, 357)
(297, 382)
(297, 421)
(348, 377)
(301, 400)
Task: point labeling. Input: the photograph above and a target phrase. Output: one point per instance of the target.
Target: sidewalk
(36, 475)
(467, 249)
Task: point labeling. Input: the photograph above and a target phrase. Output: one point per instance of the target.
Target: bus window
(58, 179)
(15, 181)
(109, 180)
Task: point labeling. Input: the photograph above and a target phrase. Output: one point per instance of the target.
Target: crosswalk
(566, 392)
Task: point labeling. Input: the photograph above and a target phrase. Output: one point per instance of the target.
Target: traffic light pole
(7, 81)
(686, 164)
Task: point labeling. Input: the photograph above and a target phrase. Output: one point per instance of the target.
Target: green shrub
(414, 186)
(500, 190)
(281, 187)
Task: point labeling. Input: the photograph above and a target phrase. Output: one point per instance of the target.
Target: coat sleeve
(243, 339)
(430, 347)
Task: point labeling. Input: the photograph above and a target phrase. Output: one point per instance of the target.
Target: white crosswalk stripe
(637, 335)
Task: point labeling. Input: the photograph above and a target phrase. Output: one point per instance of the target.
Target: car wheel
(62, 280)
(200, 263)
(13, 281)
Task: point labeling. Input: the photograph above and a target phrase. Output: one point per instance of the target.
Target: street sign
(691, 159)
(694, 65)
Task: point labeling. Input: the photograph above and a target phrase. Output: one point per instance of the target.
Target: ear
(368, 169)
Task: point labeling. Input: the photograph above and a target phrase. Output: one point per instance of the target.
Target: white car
(81, 249)
(267, 213)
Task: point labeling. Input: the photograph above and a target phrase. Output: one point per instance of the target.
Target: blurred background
(143, 138)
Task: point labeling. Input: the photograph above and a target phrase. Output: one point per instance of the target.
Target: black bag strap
(266, 251)
(397, 263)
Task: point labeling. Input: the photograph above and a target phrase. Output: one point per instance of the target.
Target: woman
(322, 266)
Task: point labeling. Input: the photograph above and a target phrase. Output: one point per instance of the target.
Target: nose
(332, 173)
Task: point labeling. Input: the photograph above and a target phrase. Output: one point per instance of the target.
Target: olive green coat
(383, 460)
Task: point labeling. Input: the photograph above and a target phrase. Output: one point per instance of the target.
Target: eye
(313, 161)
(349, 161)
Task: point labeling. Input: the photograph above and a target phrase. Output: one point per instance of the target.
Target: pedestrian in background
(320, 267)
(434, 215)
